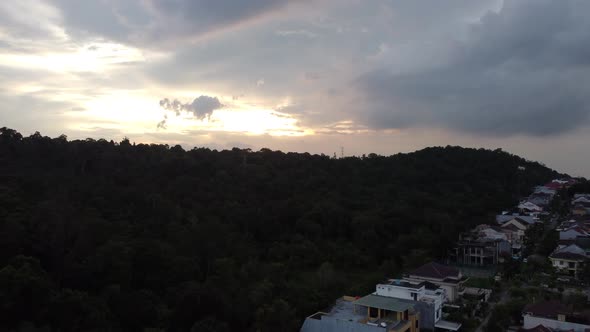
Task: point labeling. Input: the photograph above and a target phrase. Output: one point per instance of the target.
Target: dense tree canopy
(98, 235)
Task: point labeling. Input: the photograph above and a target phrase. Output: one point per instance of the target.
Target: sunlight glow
(136, 112)
(94, 57)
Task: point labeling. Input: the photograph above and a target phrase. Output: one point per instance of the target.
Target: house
(423, 291)
(490, 232)
(580, 210)
(545, 190)
(538, 328)
(572, 233)
(471, 250)
(448, 278)
(530, 208)
(553, 315)
(515, 228)
(429, 298)
(556, 184)
(569, 259)
(396, 306)
(581, 199)
(502, 218)
(371, 313)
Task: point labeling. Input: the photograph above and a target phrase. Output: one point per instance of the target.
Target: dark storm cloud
(522, 70)
(202, 107)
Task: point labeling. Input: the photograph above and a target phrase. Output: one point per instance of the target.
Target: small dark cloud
(202, 107)
(163, 124)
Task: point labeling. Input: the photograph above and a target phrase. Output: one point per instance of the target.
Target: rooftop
(405, 283)
(446, 325)
(383, 302)
(568, 256)
(538, 328)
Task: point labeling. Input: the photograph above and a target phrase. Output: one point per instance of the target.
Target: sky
(319, 76)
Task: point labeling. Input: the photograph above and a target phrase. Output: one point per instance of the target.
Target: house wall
(435, 308)
(564, 265)
(451, 290)
(532, 321)
(426, 316)
(399, 292)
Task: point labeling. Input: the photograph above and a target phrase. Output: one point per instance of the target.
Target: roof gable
(516, 223)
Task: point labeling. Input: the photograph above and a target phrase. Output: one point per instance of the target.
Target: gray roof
(383, 302)
(502, 218)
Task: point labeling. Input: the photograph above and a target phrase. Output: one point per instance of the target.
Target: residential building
(396, 306)
(538, 328)
(569, 259)
(425, 292)
(448, 278)
(490, 232)
(502, 218)
(372, 313)
(530, 208)
(581, 199)
(554, 316)
(473, 250)
(572, 233)
(545, 190)
(515, 229)
(581, 209)
(540, 199)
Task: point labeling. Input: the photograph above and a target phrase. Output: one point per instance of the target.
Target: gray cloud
(522, 70)
(154, 22)
(202, 107)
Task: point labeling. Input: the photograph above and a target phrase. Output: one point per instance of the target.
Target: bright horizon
(304, 75)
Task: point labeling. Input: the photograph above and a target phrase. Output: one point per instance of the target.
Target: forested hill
(106, 236)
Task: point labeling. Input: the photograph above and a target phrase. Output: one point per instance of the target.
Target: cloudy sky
(381, 76)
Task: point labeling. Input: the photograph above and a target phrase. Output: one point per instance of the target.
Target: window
(572, 265)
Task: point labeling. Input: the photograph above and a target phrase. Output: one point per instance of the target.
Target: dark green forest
(97, 235)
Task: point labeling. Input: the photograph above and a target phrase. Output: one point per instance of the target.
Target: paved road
(503, 299)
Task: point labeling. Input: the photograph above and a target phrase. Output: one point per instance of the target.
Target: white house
(446, 277)
(569, 259)
(530, 207)
(491, 233)
(415, 291)
(515, 228)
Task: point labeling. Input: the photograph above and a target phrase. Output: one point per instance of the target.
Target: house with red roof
(448, 278)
